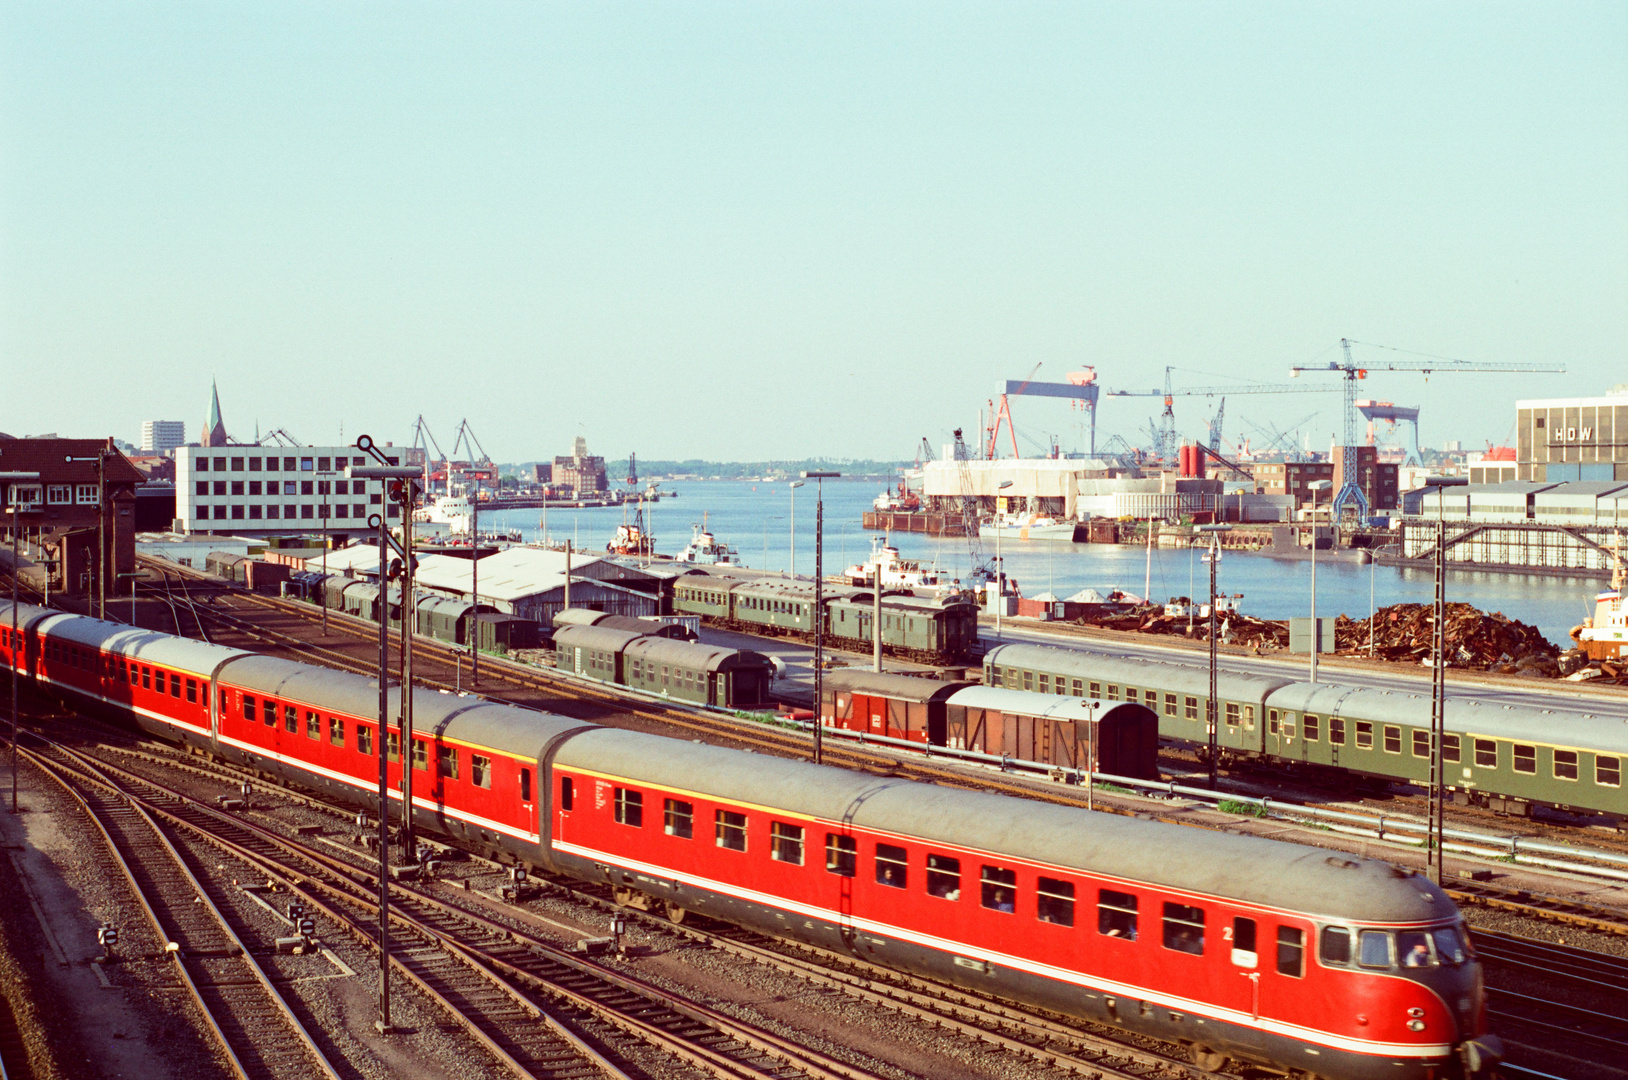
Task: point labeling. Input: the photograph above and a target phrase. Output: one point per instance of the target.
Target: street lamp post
(12, 479)
(795, 484)
(385, 474)
(1435, 855)
(324, 486)
(1213, 557)
(819, 606)
(1316, 639)
(1000, 562)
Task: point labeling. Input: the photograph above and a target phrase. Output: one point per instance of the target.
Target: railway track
(504, 986)
(1598, 979)
(253, 1025)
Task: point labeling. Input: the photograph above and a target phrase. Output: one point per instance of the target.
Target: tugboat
(632, 539)
(896, 573)
(704, 550)
(1605, 636)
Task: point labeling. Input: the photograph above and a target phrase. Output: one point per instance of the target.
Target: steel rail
(350, 893)
(235, 1055)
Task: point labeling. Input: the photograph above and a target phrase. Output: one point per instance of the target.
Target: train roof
(1463, 717)
(147, 646)
(468, 718)
(885, 684)
(597, 637)
(697, 655)
(1056, 706)
(576, 616)
(1136, 672)
(1249, 869)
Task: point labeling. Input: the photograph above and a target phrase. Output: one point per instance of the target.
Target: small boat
(896, 573)
(704, 550)
(1605, 635)
(1028, 527)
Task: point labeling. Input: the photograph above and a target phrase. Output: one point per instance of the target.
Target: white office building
(259, 490)
(162, 436)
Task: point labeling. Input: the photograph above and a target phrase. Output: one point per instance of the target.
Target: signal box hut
(896, 706)
(1116, 737)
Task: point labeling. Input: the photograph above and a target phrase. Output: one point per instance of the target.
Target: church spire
(214, 433)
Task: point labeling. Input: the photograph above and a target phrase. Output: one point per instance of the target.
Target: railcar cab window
(678, 819)
(1374, 949)
(629, 808)
(841, 854)
(1292, 952)
(1335, 947)
(892, 866)
(1184, 928)
(943, 877)
(1116, 914)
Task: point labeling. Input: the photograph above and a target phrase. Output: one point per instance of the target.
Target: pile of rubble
(1474, 639)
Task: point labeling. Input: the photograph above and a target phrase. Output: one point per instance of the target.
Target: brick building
(75, 502)
(582, 473)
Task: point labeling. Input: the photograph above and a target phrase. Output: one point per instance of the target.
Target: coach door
(576, 659)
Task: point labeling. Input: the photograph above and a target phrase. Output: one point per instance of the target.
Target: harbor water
(755, 518)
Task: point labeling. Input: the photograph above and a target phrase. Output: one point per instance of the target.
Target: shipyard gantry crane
(423, 440)
(1351, 495)
(1164, 430)
(978, 571)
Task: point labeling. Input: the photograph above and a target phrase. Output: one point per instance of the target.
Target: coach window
(1028, 680)
(421, 756)
(1421, 744)
(1608, 771)
(1526, 759)
(567, 793)
(1242, 934)
(841, 854)
(1045, 683)
(1365, 735)
(1291, 952)
(729, 830)
(678, 819)
(1170, 704)
(1055, 901)
(892, 867)
(1565, 764)
(1336, 945)
(364, 738)
(1116, 914)
(192, 691)
(291, 719)
(392, 745)
(1113, 692)
(1310, 725)
(525, 785)
(1393, 739)
(313, 726)
(175, 685)
(1450, 748)
(336, 730)
(1234, 715)
(786, 843)
(1184, 928)
(1336, 731)
(629, 808)
(446, 761)
(248, 708)
(943, 877)
(998, 889)
(1486, 754)
(1190, 708)
(268, 712)
(1374, 949)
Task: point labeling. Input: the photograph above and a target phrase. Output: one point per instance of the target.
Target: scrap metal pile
(1479, 640)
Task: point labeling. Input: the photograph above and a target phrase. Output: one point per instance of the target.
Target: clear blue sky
(746, 230)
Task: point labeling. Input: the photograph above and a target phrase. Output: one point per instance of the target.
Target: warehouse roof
(507, 575)
(358, 559)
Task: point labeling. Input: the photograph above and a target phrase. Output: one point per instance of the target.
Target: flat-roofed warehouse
(1583, 438)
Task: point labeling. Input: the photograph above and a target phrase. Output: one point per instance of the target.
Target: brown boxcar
(898, 706)
(1116, 737)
